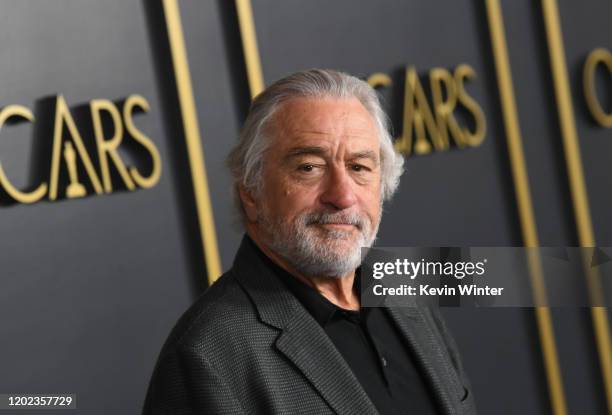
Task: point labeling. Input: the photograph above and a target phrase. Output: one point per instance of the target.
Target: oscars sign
(69, 151)
(431, 124)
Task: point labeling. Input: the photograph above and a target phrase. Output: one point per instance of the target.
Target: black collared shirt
(372, 346)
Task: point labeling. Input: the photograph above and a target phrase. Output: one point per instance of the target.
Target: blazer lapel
(305, 343)
(302, 340)
(427, 348)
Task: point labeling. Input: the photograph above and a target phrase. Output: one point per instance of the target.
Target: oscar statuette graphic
(75, 189)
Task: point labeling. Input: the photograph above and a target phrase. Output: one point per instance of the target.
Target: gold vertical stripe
(525, 206)
(576, 179)
(192, 137)
(249, 46)
(604, 345)
(568, 126)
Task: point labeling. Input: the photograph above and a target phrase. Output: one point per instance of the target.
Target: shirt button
(383, 361)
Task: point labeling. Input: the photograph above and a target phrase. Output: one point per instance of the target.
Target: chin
(342, 248)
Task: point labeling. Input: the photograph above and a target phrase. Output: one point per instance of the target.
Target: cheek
(275, 193)
(298, 202)
(288, 201)
(296, 193)
(375, 210)
(372, 204)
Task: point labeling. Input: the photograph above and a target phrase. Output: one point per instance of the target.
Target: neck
(338, 290)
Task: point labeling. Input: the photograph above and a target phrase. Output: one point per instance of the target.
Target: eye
(307, 168)
(359, 168)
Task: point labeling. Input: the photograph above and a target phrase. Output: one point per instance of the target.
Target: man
(282, 332)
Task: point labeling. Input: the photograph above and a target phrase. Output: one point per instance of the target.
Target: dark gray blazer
(248, 346)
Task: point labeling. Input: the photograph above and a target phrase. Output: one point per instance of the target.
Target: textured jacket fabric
(248, 346)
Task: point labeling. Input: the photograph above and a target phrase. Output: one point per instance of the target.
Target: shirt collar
(321, 309)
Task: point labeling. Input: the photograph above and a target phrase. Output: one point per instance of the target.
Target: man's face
(321, 196)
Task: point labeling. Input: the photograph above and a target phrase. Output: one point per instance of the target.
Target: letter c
(18, 195)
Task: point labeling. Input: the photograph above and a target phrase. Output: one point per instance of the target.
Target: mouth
(338, 226)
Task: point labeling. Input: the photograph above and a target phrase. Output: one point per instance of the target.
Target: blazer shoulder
(218, 309)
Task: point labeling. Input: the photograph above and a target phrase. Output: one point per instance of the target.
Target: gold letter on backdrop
(62, 115)
(16, 194)
(463, 72)
(444, 108)
(108, 148)
(418, 114)
(590, 66)
(132, 102)
(379, 79)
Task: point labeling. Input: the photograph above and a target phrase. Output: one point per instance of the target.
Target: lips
(332, 220)
(338, 224)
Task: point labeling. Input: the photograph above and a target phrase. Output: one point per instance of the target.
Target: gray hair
(245, 161)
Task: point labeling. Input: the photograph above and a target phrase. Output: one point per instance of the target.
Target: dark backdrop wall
(92, 285)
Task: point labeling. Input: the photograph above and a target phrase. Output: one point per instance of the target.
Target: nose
(339, 192)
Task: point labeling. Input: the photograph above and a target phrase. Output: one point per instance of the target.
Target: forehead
(321, 121)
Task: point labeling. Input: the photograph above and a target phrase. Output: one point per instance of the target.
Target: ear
(249, 203)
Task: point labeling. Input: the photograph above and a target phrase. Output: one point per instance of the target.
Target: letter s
(128, 108)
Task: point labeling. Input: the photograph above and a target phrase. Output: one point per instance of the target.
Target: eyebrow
(300, 151)
(366, 154)
(320, 151)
